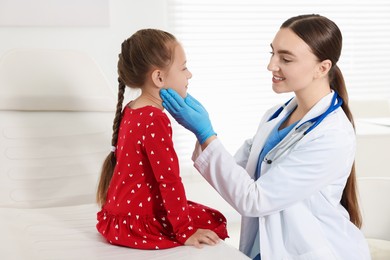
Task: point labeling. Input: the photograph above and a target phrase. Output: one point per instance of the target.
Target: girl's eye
(286, 60)
(272, 53)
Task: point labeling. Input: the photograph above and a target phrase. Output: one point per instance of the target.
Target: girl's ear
(323, 68)
(157, 78)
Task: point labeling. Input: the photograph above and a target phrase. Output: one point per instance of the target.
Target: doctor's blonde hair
(144, 50)
(325, 40)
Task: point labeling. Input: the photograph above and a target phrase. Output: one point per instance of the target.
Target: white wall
(101, 43)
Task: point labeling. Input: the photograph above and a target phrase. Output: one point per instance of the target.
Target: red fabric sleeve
(165, 165)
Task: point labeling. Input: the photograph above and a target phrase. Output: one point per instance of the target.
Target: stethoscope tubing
(301, 130)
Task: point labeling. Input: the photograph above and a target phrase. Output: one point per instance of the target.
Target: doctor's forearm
(228, 178)
(208, 141)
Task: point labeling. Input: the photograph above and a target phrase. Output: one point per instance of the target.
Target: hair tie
(113, 149)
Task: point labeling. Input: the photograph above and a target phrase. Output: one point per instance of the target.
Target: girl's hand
(202, 236)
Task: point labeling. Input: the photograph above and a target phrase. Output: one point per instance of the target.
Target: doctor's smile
(277, 79)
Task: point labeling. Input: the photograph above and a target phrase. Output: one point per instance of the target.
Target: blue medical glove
(189, 113)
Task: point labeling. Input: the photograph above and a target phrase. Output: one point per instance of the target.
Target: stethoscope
(301, 130)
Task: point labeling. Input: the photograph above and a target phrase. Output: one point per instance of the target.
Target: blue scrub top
(274, 138)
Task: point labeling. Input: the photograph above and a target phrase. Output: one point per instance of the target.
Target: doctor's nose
(272, 66)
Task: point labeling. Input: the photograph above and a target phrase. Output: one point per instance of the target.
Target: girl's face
(178, 74)
(292, 63)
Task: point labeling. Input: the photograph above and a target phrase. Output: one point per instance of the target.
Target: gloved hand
(189, 113)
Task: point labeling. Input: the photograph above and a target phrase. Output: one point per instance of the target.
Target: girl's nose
(189, 74)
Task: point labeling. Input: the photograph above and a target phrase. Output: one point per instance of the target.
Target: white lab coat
(297, 198)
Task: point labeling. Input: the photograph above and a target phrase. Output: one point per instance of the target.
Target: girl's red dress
(146, 205)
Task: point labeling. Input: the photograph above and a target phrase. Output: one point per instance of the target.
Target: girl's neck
(147, 99)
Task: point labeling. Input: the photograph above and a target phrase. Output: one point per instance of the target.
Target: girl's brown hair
(144, 50)
(325, 40)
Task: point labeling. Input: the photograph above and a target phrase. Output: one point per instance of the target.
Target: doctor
(294, 181)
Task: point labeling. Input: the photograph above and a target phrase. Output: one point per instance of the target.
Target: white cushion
(40, 79)
(380, 249)
(51, 158)
(374, 193)
(56, 114)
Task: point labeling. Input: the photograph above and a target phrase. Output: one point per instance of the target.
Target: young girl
(140, 190)
(294, 181)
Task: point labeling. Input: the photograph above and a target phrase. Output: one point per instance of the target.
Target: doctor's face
(292, 63)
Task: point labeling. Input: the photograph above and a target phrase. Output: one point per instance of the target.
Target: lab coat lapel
(265, 130)
(262, 135)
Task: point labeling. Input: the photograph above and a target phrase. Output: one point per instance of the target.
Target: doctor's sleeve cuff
(197, 151)
(201, 158)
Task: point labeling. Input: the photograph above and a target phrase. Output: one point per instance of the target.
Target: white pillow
(40, 79)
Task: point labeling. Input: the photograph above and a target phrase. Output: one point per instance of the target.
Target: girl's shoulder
(146, 114)
(146, 110)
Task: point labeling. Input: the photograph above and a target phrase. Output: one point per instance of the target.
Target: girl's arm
(165, 165)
